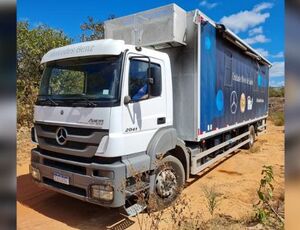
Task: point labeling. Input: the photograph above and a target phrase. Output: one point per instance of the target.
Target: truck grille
(65, 166)
(82, 142)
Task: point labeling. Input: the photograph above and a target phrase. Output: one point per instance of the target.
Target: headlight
(102, 192)
(35, 173)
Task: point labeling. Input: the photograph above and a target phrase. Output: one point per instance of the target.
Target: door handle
(161, 120)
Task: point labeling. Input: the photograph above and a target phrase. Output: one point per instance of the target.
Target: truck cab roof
(91, 48)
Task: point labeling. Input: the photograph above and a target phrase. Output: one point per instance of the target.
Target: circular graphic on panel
(243, 103)
(220, 100)
(259, 80)
(207, 43)
(233, 102)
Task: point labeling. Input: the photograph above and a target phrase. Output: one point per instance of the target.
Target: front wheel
(169, 181)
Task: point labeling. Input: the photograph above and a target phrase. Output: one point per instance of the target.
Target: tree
(93, 30)
(32, 44)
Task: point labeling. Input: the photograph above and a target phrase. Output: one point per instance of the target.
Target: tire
(251, 137)
(169, 182)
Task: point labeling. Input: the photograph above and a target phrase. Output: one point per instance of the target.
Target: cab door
(145, 113)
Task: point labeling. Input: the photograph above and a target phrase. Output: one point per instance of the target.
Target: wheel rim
(166, 183)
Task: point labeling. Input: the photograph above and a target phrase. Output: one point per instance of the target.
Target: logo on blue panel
(207, 43)
(220, 100)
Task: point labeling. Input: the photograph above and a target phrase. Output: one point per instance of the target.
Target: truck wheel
(251, 138)
(169, 181)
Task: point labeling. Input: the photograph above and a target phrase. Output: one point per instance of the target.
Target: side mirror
(127, 100)
(155, 81)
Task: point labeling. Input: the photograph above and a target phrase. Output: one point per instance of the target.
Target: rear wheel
(169, 181)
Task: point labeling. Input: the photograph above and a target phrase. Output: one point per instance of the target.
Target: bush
(278, 118)
(213, 199)
(276, 92)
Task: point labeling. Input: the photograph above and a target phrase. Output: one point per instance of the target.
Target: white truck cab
(140, 111)
(122, 71)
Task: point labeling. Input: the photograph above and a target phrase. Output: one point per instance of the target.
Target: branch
(277, 215)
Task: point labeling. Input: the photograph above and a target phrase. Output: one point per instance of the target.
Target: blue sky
(260, 23)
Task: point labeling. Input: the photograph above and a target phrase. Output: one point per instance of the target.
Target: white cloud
(266, 53)
(256, 30)
(260, 38)
(263, 52)
(276, 83)
(262, 6)
(277, 69)
(208, 5)
(278, 55)
(246, 19)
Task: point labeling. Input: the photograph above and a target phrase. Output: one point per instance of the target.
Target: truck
(167, 94)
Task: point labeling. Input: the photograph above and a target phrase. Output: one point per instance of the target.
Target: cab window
(138, 79)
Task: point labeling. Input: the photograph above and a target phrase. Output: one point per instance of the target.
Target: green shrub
(276, 92)
(278, 118)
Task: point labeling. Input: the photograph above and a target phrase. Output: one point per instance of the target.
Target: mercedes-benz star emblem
(233, 102)
(61, 135)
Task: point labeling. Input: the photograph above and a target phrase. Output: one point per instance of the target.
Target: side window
(228, 68)
(138, 79)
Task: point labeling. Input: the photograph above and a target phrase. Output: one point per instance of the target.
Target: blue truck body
(233, 86)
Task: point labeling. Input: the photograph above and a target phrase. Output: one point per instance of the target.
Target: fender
(164, 139)
(181, 150)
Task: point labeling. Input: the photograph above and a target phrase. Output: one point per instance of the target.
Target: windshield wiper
(48, 99)
(86, 103)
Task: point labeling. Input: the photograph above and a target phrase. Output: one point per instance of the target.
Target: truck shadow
(73, 212)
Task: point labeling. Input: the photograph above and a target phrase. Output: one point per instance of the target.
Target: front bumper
(81, 177)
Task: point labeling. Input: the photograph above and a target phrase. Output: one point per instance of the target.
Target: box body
(219, 82)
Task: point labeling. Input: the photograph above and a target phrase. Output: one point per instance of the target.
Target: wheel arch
(164, 143)
(181, 153)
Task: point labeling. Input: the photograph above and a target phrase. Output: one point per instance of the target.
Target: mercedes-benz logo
(61, 135)
(233, 102)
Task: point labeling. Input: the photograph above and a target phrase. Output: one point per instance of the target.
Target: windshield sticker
(105, 92)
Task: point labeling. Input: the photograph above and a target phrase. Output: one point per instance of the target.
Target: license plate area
(61, 178)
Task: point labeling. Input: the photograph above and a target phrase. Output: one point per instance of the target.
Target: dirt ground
(236, 178)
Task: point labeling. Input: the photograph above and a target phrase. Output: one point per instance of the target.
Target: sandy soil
(236, 178)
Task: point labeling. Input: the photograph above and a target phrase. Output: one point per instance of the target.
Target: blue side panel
(233, 87)
(214, 107)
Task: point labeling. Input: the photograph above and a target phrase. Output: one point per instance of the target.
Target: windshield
(96, 79)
